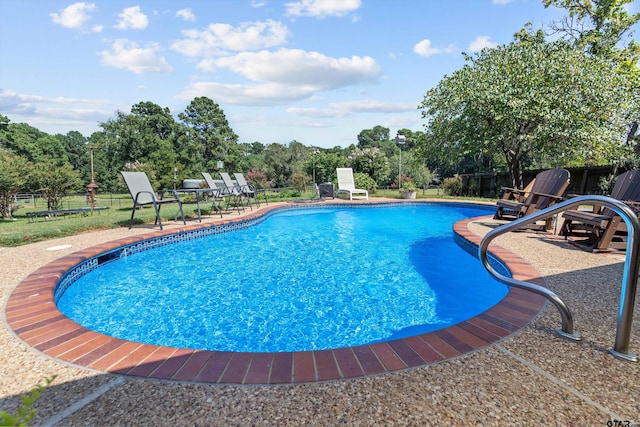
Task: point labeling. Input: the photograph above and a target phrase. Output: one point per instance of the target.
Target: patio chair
(601, 228)
(347, 186)
(233, 191)
(217, 193)
(249, 189)
(517, 194)
(547, 189)
(143, 194)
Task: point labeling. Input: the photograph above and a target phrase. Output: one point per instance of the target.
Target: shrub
(452, 186)
(25, 412)
(300, 180)
(407, 186)
(258, 179)
(365, 182)
(288, 193)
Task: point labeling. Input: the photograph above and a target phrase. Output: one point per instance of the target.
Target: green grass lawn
(25, 230)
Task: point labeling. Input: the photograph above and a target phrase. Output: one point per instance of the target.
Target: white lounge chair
(347, 185)
(143, 194)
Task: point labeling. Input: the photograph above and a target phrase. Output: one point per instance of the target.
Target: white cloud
(73, 16)
(247, 94)
(349, 108)
(450, 49)
(97, 28)
(256, 4)
(480, 43)
(186, 14)
(133, 18)
(11, 99)
(300, 68)
(501, 1)
(54, 112)
(218, 38)
(283, 77)
(424, 48)
(373, 106)
(316, 113)
(321, 8)
(127, 55)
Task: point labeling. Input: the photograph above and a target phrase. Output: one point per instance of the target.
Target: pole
(92, 185)
(400, 140)
(400, 167)
(175, 177)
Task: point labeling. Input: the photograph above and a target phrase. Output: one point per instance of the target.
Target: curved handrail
(629, 280)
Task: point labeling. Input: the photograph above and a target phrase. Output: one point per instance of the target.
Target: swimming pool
(301, 279)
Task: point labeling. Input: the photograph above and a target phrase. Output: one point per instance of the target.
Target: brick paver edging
(32, 314)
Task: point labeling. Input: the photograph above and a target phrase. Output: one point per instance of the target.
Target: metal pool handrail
(629, 279)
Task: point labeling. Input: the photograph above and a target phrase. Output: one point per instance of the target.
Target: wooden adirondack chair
(547, 189)
(602, 229)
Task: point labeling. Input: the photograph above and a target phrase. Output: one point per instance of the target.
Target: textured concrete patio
(530, 378)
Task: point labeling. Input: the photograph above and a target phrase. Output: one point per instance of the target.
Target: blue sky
(314, 71)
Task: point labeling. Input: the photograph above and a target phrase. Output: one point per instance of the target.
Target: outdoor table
(216, 192)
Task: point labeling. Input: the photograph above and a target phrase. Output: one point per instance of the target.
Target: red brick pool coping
(35, 319)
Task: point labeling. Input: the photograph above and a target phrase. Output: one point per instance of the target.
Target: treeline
(150, 139)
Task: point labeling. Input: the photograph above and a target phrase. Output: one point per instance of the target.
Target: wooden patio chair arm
(552, 196)
(512, 190)
(515, 193)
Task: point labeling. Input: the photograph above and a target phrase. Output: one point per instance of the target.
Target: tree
(33, 144)
(372, 162)
(326, 162)
(414, 167)
(55, 180)
(279, 164)
(148, 135)
(75, 145)
(209, 134)
(373, 137)
(14, 171)
(529, 98)
(599, 27)
(4, 126)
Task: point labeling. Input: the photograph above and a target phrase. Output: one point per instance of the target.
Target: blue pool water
(303, 279)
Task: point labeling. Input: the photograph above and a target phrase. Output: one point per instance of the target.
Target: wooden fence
(584, 180)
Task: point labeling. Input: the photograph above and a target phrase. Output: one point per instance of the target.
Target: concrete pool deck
(531, 377)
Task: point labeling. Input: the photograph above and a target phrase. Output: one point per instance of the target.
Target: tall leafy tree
(209, 134)
(279, 165)
(75, 145)
(373, 137)
(604, 28)
(326, 162)
(146, 136)
(527, 98)
(599, 26)
(33, 144)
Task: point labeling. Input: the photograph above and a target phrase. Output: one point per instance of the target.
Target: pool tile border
(33, 316)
